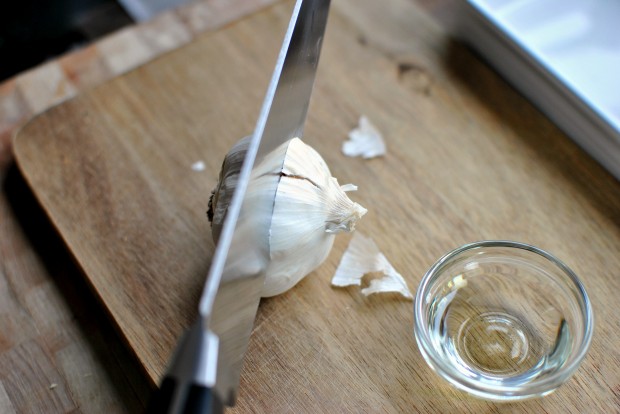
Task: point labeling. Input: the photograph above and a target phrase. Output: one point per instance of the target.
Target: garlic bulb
(310, 208)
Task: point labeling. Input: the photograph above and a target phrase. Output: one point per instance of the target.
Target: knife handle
(194, 399)
(188, 386)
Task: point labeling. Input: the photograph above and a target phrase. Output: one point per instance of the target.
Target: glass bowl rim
(490, 391)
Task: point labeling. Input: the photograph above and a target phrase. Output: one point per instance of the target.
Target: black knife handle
(196, 399)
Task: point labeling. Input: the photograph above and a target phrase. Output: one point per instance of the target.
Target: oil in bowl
(502, 320)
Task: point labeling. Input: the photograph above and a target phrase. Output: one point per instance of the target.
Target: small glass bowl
(502, 320)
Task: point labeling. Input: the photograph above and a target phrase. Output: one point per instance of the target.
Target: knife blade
(203, 374)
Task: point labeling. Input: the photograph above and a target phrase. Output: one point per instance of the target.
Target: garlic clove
(310, 207)
(363, 257)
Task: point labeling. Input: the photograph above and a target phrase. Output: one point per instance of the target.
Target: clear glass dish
(502, 320)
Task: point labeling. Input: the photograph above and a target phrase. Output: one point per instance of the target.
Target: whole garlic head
(310, 208)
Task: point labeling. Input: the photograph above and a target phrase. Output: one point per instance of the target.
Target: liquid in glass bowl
(502, 320)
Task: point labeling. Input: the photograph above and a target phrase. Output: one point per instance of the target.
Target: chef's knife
(203, 374)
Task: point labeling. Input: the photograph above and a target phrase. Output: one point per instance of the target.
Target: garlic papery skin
(363, 257)
(309, 209)
(365, 141)
(226, 183)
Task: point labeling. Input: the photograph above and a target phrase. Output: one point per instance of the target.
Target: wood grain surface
(468, 159)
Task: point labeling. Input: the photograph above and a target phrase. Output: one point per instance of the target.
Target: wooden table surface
(60, 353)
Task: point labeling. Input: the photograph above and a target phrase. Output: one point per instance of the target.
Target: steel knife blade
(203, 374)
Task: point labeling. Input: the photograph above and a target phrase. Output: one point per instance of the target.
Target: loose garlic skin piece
(310, 208)
(365, 141)
(363, 257)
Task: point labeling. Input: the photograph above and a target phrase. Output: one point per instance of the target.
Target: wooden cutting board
(468, 159)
